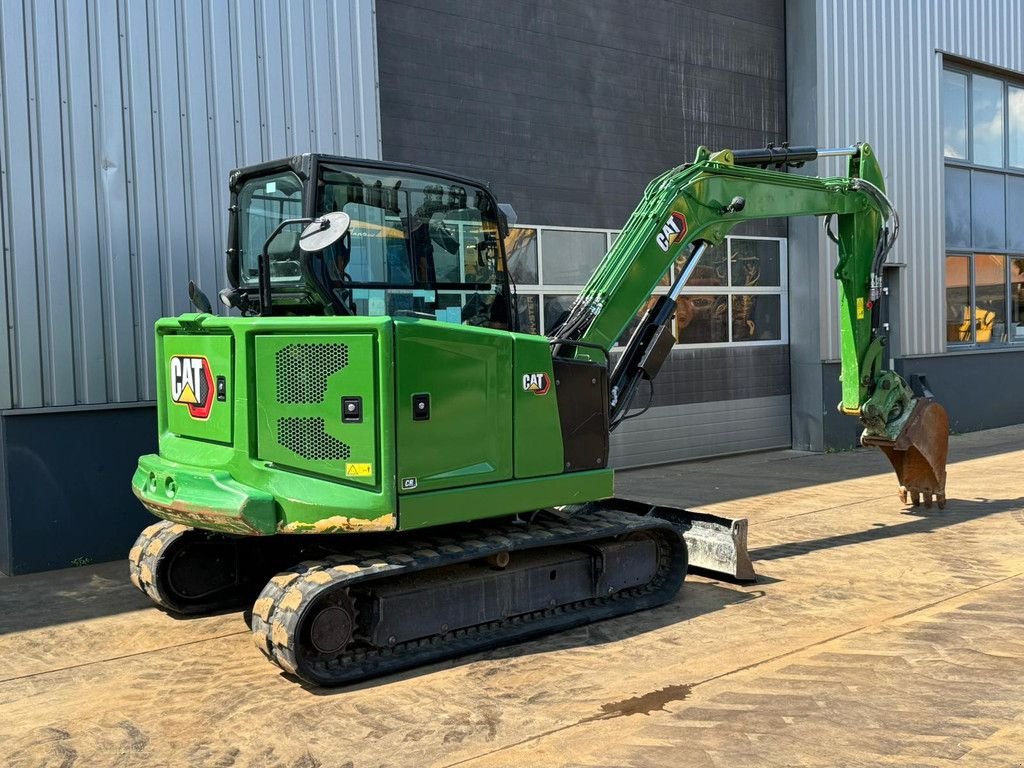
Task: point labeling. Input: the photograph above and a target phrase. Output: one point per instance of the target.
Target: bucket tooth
(919, 454)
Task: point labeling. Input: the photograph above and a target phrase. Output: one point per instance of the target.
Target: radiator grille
(306, 436)
(303, 370)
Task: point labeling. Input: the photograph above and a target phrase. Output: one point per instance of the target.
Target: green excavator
(374, 459)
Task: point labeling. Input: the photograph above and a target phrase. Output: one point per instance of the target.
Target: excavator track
(368, 613)
(190, 571)
(153, 548)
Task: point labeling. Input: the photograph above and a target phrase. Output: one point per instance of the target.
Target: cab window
(263, 203)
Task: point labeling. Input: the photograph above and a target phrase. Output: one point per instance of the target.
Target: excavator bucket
(714, 544)
(918, 454)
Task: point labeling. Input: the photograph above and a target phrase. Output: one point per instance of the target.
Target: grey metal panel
(879, 66)
(54, 273)
(570, 108)
(719, 374)
(115, 264)
(119, 123)
(21, 241)
(699, 430)
(139, 128)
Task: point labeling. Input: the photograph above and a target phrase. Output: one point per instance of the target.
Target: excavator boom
(693, 206)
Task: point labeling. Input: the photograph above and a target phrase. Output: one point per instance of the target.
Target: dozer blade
(714, 544)
(919, 453)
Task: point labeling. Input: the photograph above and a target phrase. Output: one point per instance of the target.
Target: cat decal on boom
(672, 231)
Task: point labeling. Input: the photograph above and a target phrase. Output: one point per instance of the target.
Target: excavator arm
(694, 206)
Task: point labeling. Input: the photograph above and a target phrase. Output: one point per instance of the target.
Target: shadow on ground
(717, 480)
(922, 520)
(73, 594)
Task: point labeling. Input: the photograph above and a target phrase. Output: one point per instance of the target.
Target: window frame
(1013, 341)
(541, 289)
(1007, 81)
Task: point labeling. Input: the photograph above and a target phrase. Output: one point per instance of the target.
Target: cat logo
(192, 385)
(538, 383)
(673, 231)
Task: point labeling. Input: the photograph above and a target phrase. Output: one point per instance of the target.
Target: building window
(983, 148)
(737, 294)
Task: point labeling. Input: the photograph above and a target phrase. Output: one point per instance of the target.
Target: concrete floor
(876, 636)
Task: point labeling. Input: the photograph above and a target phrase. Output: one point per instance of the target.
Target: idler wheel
(331, 630)
(332, 625)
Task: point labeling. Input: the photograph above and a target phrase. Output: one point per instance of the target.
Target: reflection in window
(628, 332)
(263, 204)
(521, 251)
(987, 120)
(988, 210)
(702, 319)
(990, 298)
(1015, 206)
(1016, 126)
(711, 270)
(755, 262)
(756, 317)
(537, 262)
(571, 257)
(529, 312)
(480, 308)
(555, 309)
(959, 327)
(379, 251)
(416, 230)
(954, 114)
(479, 263)
(958, 207)
(1017, 299)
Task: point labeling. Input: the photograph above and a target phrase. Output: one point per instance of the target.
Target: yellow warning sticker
(860, 307)
(358, 470)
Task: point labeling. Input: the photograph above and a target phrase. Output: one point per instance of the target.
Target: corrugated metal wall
(120, 122)
(879, 67)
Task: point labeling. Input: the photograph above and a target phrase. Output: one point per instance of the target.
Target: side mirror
(198, 298)
(324, 231)
(319, 234)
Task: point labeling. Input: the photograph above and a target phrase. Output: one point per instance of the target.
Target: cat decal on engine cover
(192, 384)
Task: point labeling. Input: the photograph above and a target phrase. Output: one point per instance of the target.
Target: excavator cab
(417, 244)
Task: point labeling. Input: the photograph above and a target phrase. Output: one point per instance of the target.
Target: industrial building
(120, 122)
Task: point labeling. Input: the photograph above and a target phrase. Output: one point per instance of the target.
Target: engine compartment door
(453, 405)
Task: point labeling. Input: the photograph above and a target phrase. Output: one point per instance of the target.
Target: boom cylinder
(650, 343)
(782, 156)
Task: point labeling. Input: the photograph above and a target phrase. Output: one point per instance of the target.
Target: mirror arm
(264, 265)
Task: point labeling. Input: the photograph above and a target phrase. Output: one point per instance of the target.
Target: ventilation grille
(306, 436)
(303, 370)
